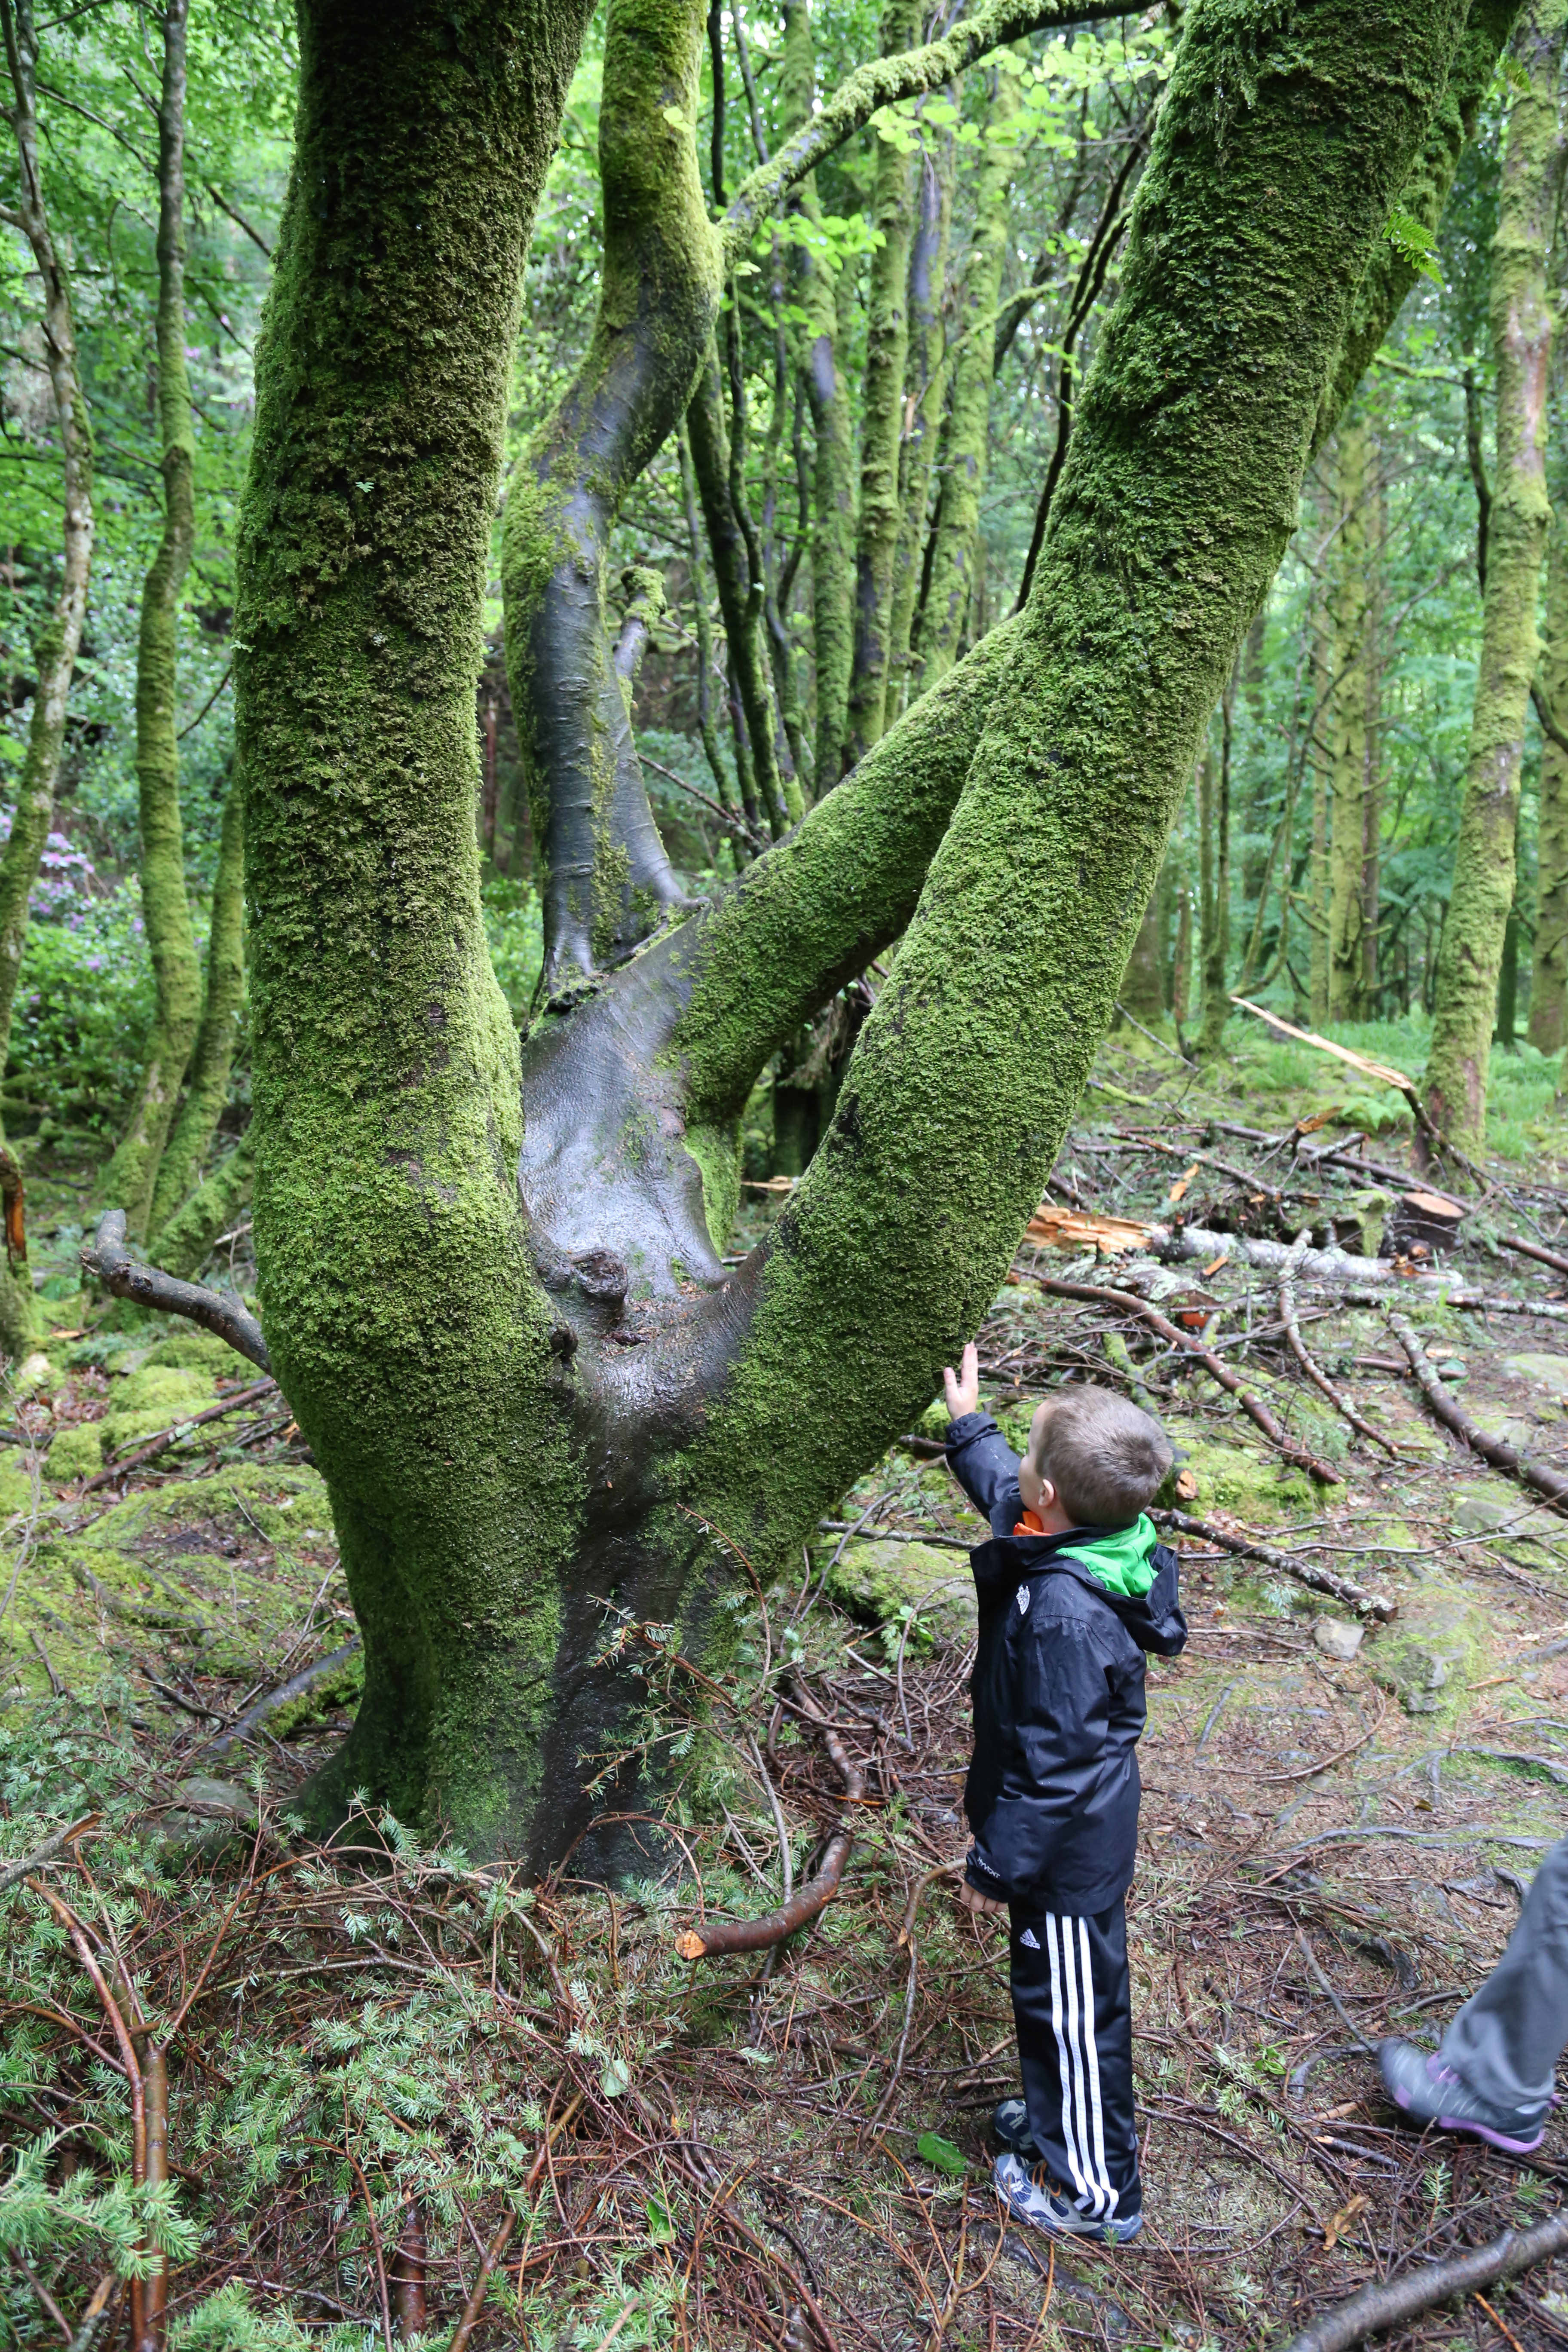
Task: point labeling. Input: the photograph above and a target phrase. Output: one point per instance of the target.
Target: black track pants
(1072, 2005)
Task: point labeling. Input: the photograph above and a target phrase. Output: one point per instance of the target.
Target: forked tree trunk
(511, 1343)
(1549, 979)
(128, 1181)
(60, 640)
(1484, 870)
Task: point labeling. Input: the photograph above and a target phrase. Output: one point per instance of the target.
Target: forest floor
(384, 2054)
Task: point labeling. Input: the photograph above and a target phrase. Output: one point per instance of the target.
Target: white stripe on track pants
(1072, 2007)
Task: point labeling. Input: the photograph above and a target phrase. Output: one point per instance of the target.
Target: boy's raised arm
(979, 1456)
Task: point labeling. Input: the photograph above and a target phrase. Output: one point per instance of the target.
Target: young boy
(1073, 1590)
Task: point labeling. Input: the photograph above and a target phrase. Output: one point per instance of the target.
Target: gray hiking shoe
(1031, 2196)
(1010, 2127)
(1430, 2093)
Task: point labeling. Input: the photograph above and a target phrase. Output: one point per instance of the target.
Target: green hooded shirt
(1122, 1562)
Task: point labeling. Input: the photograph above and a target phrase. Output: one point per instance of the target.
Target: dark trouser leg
(1072, 2005)
(1505, 2042)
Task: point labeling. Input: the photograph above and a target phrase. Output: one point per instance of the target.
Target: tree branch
(238, 217)
(1395, 2301)
(883, 82)
(125, 1277)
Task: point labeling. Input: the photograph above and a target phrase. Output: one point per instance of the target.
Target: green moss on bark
(399, 1302)
(1549, 977)
(182, 1245)
(206, 1086)
(1484, 869)
(966, 441)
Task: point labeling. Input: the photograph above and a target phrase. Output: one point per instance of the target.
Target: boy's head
(1093, 1460)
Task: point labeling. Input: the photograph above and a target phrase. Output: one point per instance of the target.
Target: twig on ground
(1502, 1456)
(177, 1430)
(1309, 1364)
(1317, 1579)
(1332, 1997)
(474, 2304)
(1395, 2301)
(1253, 1406)
(52, 1845)
(270, 1701)
(719, 1936)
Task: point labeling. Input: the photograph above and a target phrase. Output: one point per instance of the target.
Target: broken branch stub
(125, 1277)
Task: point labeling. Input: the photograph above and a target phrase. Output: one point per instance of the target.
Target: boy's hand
(970, 1897)
(962, 1390)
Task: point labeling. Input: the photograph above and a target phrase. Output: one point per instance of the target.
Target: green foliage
(84, 1008)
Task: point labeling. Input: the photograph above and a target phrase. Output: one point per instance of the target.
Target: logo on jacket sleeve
(1023, 1600)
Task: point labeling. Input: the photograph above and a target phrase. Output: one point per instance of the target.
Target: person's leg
(1506, 2040)
(1493, 2074)
(1072, 2009)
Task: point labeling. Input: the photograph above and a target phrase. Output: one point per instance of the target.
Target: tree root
(126, 1277)
(1495, 1449)
(719, 1936)
(1317, 1579)
(1403, 2299)
(1251, 1405)
(1309, 1363)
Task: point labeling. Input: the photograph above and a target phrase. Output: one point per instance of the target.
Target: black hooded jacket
(1053, 1789)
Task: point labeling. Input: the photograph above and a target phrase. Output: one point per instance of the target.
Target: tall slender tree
(1521, 330)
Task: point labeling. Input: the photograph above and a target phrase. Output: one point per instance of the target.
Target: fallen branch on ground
(756, 1934)
(125, 1277)
(1317, 1579)
(1553, 1258)
(1380, 1072)
(1400, 2299)
(52, 1845)
(1495, 1449)
(270, 1701)
(171, 1437)
(1251, 1405)
(474, 2304)
(1309, 1363)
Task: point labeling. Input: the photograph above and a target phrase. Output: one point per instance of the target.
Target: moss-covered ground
(737, 2153)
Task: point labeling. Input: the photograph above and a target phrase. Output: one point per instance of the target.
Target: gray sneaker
(1430, 2093)
(1031, 2196)
(1010, 2127)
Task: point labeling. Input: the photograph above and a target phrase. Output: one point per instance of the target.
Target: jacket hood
(1127, 1568)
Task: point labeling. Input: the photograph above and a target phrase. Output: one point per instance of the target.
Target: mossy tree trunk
(1521, 328)
(129, 1179)
(207, 1082)
(1549, 979)
(607, 880)
(925, 383)
(59, 639)
(882, 410)
(1348, 611)
(510, 1340)
(1214, 868)
(945, 602)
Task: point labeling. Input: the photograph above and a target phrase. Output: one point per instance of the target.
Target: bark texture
(128, 1181)
(881, 413)
(1549, 979)
(607, 879)
(1521, 328)
(944, 607)
(207, 1081)
(1349, 615)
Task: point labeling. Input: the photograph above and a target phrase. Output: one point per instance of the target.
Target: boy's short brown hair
(1105, 1458)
